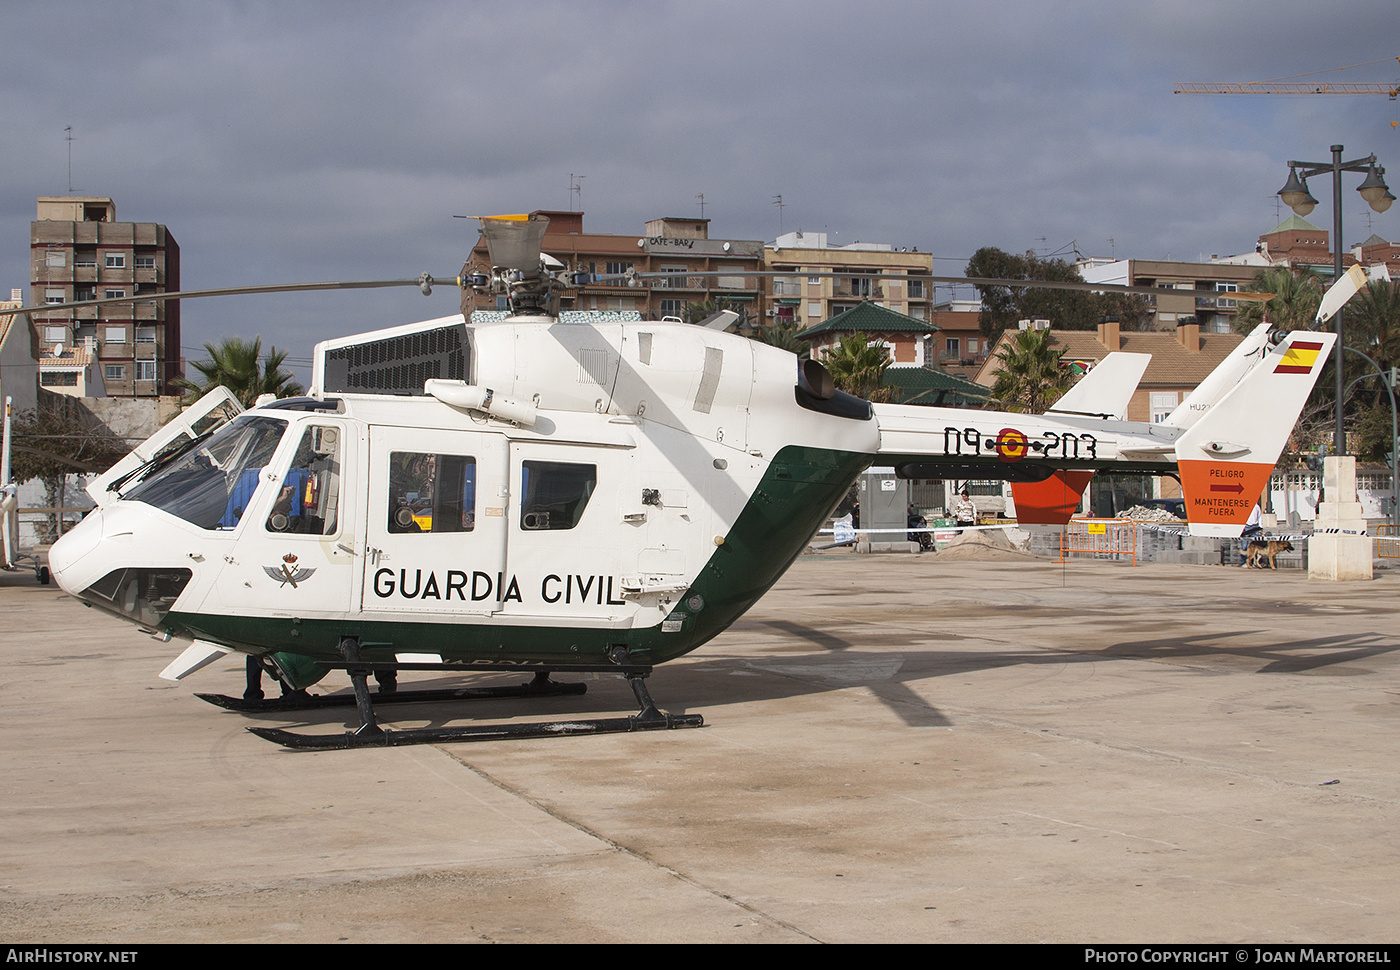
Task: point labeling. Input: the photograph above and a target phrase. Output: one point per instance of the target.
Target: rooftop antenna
(1112, 249)
(575, 190)
(778, 201)
(69, 138)
(701, 197)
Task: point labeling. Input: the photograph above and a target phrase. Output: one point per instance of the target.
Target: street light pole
(1296, 196)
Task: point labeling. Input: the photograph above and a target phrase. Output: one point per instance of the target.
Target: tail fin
(1218, 383)
(1106, 390)
(1228, 454)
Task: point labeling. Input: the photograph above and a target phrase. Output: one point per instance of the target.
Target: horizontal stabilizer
(196, 656)
(1106, 390)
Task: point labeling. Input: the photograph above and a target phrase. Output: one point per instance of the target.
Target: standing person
(965, 513)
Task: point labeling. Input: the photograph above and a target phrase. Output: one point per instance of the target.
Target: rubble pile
(1141, 513)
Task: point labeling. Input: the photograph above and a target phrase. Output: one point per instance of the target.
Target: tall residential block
(79, 251)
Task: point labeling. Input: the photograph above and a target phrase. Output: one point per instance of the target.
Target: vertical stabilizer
(1106, 390)
(1228, 454)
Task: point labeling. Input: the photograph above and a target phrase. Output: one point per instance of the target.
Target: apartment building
(79, 251)
(1199, 290)
(827, 280)
(696, 268)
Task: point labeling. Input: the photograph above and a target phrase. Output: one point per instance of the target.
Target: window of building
(613, 269)
(85, 257)
(53, 296)
(672, 308)
(115, 335)
(113, 294)
(431, 493)
(145, 335)
(675, 277)
(145, 370)
(55, 258)
(1163, 403)
(115, 260)
(84, 292)
(952, 346)
(114, 372)
(145, 262)
(916, 289)
(814, 309)
(58, 378)
(55, 335)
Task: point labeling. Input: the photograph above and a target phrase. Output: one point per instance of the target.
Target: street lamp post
(1296, 196)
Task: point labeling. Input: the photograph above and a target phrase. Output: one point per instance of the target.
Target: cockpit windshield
(212, 484)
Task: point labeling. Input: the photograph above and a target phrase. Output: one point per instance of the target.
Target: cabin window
(309, 500)
(431, 493)
(210, 483)
(555, 494)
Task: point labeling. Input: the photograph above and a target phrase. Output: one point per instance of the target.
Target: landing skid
(371, 735)
(541, 686)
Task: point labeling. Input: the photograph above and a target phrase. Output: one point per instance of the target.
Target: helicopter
(521, 493)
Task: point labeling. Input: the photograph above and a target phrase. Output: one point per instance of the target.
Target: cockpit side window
(431, 493)
(213, 484)
(555, 494)
(309, 500)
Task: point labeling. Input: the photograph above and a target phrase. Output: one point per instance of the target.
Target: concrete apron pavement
(896, 748)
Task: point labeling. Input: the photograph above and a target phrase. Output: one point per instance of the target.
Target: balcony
(860, 290)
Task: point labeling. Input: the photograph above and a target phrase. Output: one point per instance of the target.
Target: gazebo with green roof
(913, 368)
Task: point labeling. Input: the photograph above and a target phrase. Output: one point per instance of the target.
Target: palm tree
(233, 363)
(1031, 377)
(859, 368)
(784, 337)
(1294, 304)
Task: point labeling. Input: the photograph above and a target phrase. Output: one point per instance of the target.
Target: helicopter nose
(73, 546)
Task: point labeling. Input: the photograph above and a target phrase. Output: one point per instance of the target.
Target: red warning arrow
(1227, 488)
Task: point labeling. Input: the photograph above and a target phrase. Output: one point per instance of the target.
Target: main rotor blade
(424, 282)
(924, 277)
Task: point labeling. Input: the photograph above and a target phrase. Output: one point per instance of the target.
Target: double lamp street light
(1296, 196)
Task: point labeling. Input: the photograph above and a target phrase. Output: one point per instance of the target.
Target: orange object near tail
(1051, 502)
(1222, 493)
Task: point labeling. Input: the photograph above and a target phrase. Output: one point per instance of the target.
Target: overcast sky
(285, 142)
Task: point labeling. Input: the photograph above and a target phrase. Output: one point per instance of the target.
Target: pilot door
(291, 521)
(436, 534)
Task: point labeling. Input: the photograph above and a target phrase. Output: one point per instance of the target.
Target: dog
(1261, 549)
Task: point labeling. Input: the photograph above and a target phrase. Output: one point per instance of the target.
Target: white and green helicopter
(529, 494)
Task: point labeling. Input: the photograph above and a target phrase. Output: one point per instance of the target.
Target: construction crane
(1282, 86)
(1267, 87)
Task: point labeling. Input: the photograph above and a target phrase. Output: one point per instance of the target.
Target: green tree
(1004, 305)
(239, 365)
(1373, 327)
(1296, 295)
(859, 368)
(1031, 377)
(59, 440)
(784, 337)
